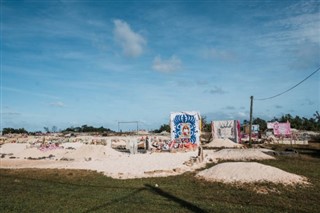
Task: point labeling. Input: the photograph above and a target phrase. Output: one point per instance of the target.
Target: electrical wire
(262, 99)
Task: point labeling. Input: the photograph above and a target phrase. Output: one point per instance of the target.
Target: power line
(262, 99)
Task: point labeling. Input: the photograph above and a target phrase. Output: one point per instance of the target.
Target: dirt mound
(216, 143)
(75, 151)
(12, 148)
(249, 172)
(92, 152)
(237, 155)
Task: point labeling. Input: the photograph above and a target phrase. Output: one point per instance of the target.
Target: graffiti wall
(226, 129)
(280, 128)
(185, 127)
(172, 145)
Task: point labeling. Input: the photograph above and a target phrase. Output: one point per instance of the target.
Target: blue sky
(69, 63)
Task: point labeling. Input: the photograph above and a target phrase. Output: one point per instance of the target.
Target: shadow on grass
(96, 208)
(310, 152)
(67, 183)
(155, 190)
(183, 203)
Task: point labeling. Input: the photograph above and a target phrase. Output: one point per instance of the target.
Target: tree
(206, 127)
(301, 123)
(163, 127)
(86, 128)
(285, 118)
(274, 119)
(46, 129)
(262, 123)
(69, 129)
(14, 131)
(54, 129)
(296, 123)
(317, 116)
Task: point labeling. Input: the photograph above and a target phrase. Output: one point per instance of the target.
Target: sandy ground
(99, 158)
(217, 143)
(122, 165)
(237, 155)
(248, 172)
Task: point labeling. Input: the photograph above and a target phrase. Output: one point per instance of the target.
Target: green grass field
(35, 190)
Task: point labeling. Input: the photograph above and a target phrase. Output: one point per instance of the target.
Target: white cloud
(57, 104)
(306, 55)
(10, 113)
(242, 115)
(302, 7)
(216, 90)
(25, 92)
(223, 115)
(131, 42)
(202, 82)
(230, 108)
(292, 30)
(170, 65)
(215, 54)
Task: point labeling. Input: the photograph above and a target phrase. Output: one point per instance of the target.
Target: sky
(69, 63)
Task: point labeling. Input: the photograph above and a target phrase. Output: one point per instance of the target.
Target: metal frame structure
(125, 122)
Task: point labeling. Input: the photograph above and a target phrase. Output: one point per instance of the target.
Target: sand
(249, 172)
(122, 165)
(237, 155)
(13, 148)
(218, 143)
(99, 158)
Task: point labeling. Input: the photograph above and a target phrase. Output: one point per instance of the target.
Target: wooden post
(250, 126)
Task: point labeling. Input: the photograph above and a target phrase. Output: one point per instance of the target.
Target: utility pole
(250, 126)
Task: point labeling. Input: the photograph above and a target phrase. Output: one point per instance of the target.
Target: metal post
(137, 127)
(250, 126)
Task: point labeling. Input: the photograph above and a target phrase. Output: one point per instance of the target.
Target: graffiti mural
(185, 127)
(171, 145)
(226, 129)
(280, 128)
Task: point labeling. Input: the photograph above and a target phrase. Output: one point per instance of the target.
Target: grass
(50, 190)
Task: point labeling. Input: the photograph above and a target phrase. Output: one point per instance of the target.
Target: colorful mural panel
(226, 129)
(280, 128)
(185, 127)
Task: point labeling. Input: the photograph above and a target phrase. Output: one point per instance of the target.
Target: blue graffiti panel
(185, 127)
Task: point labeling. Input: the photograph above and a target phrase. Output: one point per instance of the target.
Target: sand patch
(218, 143)
(236, 155)
(102, 159)
(13, 148)
(249, 172)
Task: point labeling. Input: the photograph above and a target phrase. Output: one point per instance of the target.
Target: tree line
(54, 129)
(297, 122)
(86, 128)
(14, 131)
